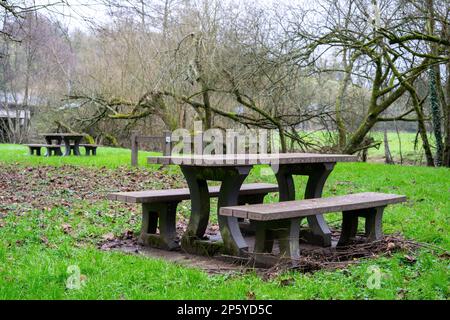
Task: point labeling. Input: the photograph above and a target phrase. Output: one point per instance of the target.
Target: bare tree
(387, 67)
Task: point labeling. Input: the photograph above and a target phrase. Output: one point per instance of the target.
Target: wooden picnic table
(231, 171)
(71, 141)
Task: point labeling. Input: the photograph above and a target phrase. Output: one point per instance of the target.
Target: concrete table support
(317, 175)
(232, 179)
(280, 221)
(159, 208)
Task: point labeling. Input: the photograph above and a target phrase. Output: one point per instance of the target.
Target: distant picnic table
(231, 171)
(54, 141)
(71, 141)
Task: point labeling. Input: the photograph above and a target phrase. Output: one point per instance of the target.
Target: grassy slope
(404, 142)
(35, 253)
(108, 157)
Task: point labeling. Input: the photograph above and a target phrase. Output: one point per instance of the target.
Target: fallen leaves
(67, 228)
(108, 237)
(445, 256)
(127, 239)
(287, 282)
(128, 234)
(46, 187)
(391, 246)
(83, 278)
(251, 295)
(339, 258)
(409, 259)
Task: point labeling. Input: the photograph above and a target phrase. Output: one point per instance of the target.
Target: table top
(249, 159)
(63, 134)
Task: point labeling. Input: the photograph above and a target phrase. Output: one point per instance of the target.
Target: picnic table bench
(159, 209)
(281, 221)
(90, 148)
(54, 149)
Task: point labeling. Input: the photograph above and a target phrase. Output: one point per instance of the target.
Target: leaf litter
(46, 187)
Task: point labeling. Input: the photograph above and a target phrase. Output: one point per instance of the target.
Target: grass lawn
(107, 157)
(401, 145)
(39, 240)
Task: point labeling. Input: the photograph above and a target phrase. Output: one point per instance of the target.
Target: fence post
(167, 143)
(134, 148)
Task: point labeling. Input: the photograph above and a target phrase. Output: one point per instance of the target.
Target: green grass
(35, 252)
(106, 157)
(401, 145)
(404, 142)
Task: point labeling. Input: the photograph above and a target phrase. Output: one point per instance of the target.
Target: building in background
(14, 122)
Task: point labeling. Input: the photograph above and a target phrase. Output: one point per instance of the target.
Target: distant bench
(162, 205)
(55, 149)
(90, 148)
(281, 221)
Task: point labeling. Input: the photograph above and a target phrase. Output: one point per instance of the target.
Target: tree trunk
(282, 139)
(446, 156)
(342, 130)
(207, 117)
(446, 106)
(387, 151)
(399, 142)
(358, 136)
(208, 114)
(436, 116)
(165, 23)
(143, 15)
(422, 129)
(434, 77)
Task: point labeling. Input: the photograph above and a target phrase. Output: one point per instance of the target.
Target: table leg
(67, 147)
(317, 176)
(76, 147)
(320, 231)
(164, 216)
(200, 207)
(286, 186)
(48, 140)
(232, 179)
(233, 240)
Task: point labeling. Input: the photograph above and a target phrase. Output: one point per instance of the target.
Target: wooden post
(167, 143)
(134, 148)
(387, 150)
